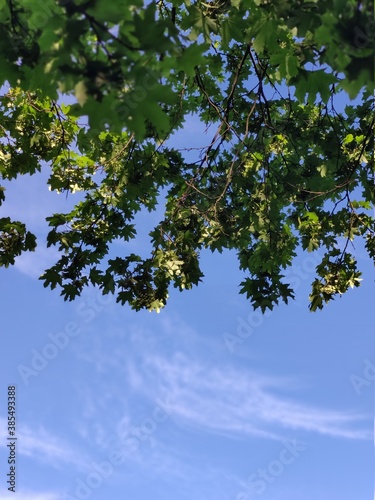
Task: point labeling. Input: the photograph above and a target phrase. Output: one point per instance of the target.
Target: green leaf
(348, 139)
(224, 118)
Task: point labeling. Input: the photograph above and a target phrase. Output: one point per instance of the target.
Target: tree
(286, 165)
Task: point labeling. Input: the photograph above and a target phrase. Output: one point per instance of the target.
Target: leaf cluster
(284, 166)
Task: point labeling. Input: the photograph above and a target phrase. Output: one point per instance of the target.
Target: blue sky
(207, 400)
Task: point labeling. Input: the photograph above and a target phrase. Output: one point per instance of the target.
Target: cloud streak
(239, 402)
(46, 447)
(224, 399)
(27, 495)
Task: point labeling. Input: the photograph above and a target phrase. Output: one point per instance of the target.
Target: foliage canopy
(285, 164)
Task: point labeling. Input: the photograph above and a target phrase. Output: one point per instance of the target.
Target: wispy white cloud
(141, 365)
(27, 495)
(218, 398)
(33, 264)
(46, 447)
(172, 464)
(233, 401)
